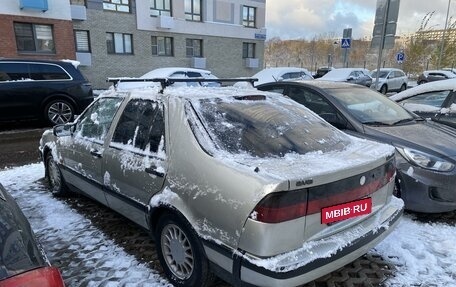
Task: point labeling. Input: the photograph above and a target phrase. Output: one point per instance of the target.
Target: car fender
(168, 201)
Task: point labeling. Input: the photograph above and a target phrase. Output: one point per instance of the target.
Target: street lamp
(443, 36)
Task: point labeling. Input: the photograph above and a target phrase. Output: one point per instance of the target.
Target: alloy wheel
(59, 113)
(177, 251)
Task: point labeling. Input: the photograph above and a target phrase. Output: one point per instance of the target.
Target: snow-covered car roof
(425, 88)
(274, 74)
(168, 72)
(339, 74)
(449, 74)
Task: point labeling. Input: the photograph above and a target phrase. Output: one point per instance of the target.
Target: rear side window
(141, 126)
(45, 72)
(434, 99)
(14, 72)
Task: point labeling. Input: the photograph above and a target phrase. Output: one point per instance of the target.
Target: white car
(390, 80)
(350, 75)
(281, 74)
(169, 72)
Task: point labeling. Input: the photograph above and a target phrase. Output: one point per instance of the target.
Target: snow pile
(425, 253)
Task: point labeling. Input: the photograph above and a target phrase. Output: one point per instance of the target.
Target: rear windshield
(263, 127)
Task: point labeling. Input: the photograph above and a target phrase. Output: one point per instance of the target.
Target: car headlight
(425, 160)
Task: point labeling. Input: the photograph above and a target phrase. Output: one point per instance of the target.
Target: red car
(22, 260)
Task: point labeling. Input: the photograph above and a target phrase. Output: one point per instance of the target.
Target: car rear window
(48, 72)
(263, 127)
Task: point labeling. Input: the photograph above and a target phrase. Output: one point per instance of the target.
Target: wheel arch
(176, 207)
(58, 96)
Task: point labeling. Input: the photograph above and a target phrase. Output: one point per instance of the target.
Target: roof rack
(166, 82)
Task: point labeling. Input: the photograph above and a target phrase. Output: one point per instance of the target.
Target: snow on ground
(424, 253)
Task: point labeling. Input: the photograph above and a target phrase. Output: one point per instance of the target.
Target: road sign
(400, 57)
(345, 43)
(385, 24)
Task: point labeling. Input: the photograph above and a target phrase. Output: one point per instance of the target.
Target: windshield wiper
(375, 123)
(403, 121)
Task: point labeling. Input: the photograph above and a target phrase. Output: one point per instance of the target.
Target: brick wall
(63, 38)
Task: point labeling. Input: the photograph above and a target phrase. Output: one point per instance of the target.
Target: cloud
(294, 19)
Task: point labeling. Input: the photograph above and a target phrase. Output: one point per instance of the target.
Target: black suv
(52, 91)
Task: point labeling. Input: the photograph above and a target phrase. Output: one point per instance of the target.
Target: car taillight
(42, 277)
(282, 206)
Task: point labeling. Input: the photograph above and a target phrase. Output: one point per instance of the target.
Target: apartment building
(114, 38)
(37, 29)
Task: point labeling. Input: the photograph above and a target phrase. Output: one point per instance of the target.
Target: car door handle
(95, 153)
(153, 170)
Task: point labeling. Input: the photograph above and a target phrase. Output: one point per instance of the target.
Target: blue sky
(294, 19)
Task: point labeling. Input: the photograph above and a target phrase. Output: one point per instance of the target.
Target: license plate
(346, 210)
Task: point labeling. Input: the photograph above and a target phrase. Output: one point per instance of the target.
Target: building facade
(113, 38)
(36, 29)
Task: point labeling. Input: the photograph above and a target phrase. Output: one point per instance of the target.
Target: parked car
(22, 260)
(434, 75)
(52, 91)
(436, 101)
(453, 70)
(322, 71)
(170, 72)
(349, 75)
(389, 80)
(237, 182)
(282, 74)
(426, 150)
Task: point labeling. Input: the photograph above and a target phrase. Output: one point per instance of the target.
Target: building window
(194, 47)
(82, 41)
(117, 5)
(248, 16)
(34, 38)
(248, 50)
(160, 8)
(162, 46)
(119, 43)
(193, 10)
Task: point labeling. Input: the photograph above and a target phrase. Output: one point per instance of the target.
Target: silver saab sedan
(242, 184)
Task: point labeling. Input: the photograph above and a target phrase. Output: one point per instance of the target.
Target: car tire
(403, 87)
(54, 177)
(58, 111)
(421, 82)
(181, 253)
(384, 89)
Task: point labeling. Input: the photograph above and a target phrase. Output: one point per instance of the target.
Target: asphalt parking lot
(19, 146)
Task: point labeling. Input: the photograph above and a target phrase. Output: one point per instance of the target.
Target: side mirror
(351, 78)
(63, 130)
(279, 79)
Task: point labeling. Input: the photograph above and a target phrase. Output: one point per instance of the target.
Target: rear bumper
(295, 268)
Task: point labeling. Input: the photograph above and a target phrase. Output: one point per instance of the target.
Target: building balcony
(34, 5)
(78, 12)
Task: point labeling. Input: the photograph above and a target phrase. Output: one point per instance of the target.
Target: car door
(427, 105)
(318, 104)
(312, 100)
(82, 156)
(134, 162)
(447, 114)
(15, 86)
